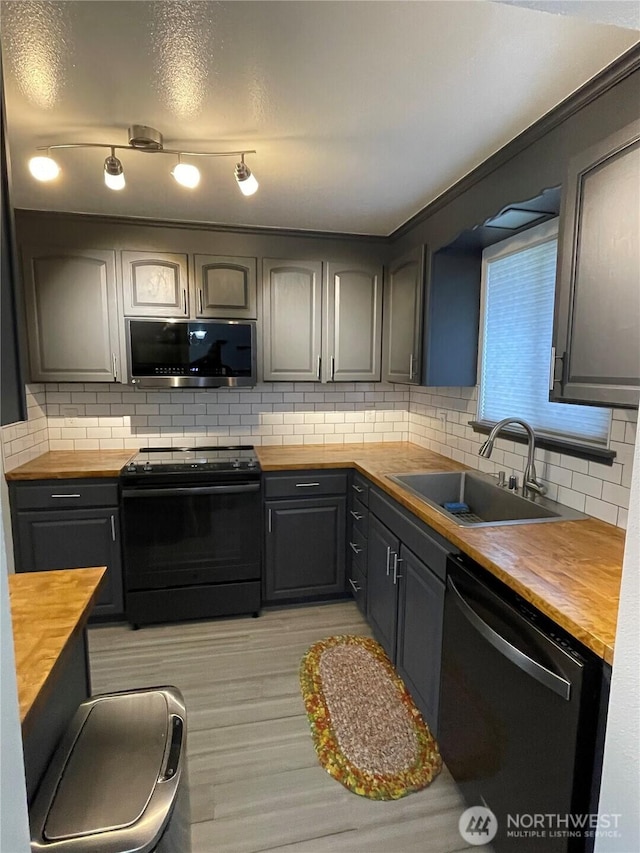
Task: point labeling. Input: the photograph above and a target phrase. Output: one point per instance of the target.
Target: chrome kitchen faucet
(530, 484)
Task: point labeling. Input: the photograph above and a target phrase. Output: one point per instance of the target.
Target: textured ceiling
(360, 112)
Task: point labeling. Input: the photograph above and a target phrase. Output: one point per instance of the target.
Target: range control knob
(131, 468)
(235, 463)
(147, 466)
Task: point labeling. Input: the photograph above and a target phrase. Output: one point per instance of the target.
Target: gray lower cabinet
(402, 336)
(305, 529)
(358, 540)
(406, 572)
(420, 612)
(66, 524)
(382, 590)
(71, 313)
(597, 311)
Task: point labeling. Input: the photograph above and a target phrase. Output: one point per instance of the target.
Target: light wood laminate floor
(255, 781)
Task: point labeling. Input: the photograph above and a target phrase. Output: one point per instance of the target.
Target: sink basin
(487, 504)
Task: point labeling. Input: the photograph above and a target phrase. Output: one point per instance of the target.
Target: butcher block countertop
(570, 570)
(69, 464)
(48, 611)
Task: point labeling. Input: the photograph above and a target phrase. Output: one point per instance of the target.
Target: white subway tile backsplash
(570, 480)
(113, 416)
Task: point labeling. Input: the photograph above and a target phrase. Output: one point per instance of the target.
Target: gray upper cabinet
(353, 323)
(155, 284)
(402, 338)
(225, 286)
(322, 332)
(292, 320)
(72, 318)
(597, 312)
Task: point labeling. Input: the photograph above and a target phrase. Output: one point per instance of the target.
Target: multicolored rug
(366, 729)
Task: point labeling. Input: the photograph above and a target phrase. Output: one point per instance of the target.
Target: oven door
(191, 535)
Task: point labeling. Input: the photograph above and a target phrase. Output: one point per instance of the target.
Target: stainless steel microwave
(191, 353)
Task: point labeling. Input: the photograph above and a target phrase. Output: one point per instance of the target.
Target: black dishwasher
(519, 709)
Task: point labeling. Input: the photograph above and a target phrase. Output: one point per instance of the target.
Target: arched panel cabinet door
(71, 314)
(597, 310)
(402, 337)
(155, 284)
(225, 286)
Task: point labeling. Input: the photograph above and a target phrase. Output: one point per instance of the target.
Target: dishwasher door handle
(531, 667)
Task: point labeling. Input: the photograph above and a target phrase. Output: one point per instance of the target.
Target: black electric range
(166, 465)
(192, 520)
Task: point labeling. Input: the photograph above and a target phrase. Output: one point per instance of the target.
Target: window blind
(519, 287)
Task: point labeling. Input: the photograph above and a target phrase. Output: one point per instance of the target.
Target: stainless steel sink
(485, 503)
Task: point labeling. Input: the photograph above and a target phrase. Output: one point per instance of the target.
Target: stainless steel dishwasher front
(118, 781)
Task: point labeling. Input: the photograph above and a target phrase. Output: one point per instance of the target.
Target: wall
(14, 826)
(97, 416)
(438, 419)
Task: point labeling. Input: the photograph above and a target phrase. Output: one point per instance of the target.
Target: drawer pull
(356, 515)
(66, 496)
(306, 485)
(357, 489)
(354, 585)
(355, 548)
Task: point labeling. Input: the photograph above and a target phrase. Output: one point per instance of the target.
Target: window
(518, 287)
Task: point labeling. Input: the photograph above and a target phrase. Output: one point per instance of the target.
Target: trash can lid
(113, 767)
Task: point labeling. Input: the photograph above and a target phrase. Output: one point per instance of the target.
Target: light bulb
(186, 175)
(113, 173)
(44, 168)
(246, 180)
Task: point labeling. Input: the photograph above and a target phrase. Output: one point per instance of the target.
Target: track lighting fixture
(148, 140)
(113, 172)
(246, 180)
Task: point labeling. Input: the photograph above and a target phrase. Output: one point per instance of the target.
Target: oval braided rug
(367, 732)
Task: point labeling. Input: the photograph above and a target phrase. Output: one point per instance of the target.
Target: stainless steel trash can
(118, 781)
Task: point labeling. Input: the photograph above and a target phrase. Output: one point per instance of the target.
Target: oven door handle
(189, 491)
(531, 667)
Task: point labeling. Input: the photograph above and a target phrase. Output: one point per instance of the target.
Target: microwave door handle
(528, 665)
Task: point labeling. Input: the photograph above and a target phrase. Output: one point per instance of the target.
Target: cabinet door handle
(356, 515)
(114, 365)
(411, 366)
(200, 301)
(333, 369)
(357, 489)
(355, 548)
(396, 560)
(184, 301)
(319, 367)
(354, 585)
(306, 485)
(113, 528)
(269, 522)
(388, 559)
(66, 496)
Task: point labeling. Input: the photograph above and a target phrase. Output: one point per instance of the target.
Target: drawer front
(65, 494)
(357, 547)
(359, 516)
(357, 585)
(360, 488)
(304, 484)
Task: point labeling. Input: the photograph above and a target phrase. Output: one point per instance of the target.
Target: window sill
(560, 445)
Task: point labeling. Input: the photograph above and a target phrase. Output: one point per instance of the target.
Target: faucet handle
(502, 479)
